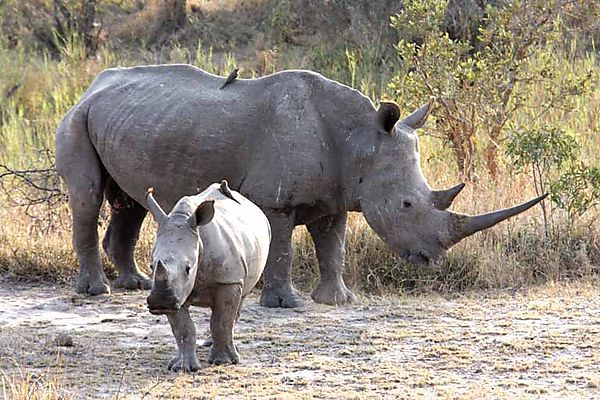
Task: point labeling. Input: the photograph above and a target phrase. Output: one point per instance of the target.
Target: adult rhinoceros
(304, 148)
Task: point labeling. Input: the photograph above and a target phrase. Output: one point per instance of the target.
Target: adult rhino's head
(176, 252)
(398, 203)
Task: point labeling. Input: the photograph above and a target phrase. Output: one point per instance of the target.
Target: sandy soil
(544, 343)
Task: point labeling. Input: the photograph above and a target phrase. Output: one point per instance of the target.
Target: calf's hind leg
(121, 236)
(225, 307)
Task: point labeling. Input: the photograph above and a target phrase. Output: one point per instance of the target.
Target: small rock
(63, 340)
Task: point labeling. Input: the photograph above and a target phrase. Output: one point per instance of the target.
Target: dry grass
(26, 385)
(512, 255)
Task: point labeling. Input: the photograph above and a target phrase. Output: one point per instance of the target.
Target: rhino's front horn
(154, 208)
(443, 199)
(465, 225)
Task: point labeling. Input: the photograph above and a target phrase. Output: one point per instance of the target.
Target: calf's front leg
(225, 305)
(184, 331)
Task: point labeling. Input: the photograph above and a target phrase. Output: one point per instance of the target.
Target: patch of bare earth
(544, 343)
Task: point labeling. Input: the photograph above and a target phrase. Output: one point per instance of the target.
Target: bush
(553, 159)
(483, 79)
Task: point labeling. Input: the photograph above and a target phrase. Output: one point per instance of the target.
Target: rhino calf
(210, 251)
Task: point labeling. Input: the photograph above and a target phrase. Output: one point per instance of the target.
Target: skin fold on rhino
(210, 251)
(305, 149)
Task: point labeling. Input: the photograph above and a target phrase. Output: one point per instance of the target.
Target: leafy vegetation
(487, 76)
(553, 158)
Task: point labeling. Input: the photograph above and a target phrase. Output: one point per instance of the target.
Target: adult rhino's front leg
(277, 288)
(329, 235)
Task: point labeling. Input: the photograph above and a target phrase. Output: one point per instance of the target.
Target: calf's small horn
(154, 208)
(465, 225)
(442, 199)
(161, 271)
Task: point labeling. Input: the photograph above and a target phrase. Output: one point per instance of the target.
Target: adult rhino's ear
(419, 117)
(387, 115)
(203, 214)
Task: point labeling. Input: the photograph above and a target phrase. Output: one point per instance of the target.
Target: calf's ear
(203, 214)
(387, 115)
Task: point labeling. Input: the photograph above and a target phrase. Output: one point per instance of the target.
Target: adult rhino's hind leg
(277, 288)
(329, 235)
(79, 166)
(122, 235)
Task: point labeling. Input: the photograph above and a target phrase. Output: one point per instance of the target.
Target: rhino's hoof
(222, 356)
(334, 293)
(133, 281)
(282, 297)
(92, 286)
(183, 364)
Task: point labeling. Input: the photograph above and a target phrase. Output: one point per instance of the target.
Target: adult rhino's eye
(187, 269)
(407, 204)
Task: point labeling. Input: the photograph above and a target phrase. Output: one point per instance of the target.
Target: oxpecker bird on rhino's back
(302, 147)
(209, 251)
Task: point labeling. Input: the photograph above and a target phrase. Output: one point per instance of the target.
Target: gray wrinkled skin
(209, 251)
(304, 148)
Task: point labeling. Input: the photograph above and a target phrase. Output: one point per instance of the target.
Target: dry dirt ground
(543, 343)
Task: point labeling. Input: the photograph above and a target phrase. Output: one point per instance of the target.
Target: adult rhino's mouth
(161, 311)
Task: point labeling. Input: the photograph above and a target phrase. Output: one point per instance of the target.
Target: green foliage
(544, 149)
(482, 83)
(577, 190)
(552, 155)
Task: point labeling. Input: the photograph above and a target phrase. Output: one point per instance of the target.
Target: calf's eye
(187, 269)
(407, 204)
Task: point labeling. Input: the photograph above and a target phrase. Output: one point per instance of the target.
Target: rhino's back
(172, 128)
(162, 120)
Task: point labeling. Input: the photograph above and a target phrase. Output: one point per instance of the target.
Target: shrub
(552, 157)
(483, 79)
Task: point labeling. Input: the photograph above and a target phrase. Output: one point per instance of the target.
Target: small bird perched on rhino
(232, 77)
(210, 251)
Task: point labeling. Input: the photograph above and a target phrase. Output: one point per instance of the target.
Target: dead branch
(36, 190)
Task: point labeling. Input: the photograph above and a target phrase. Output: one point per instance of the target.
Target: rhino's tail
(79, 163)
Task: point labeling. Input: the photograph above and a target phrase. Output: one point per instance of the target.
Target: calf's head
(398, 203)
(176, 252)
